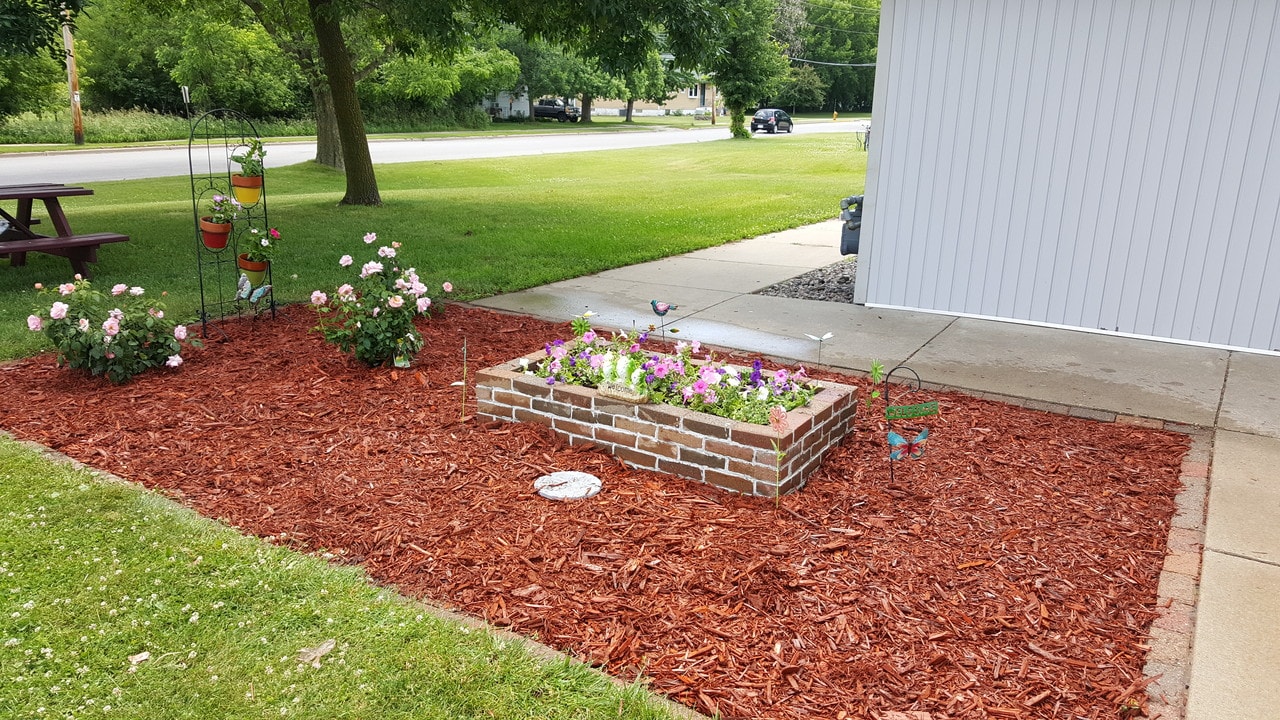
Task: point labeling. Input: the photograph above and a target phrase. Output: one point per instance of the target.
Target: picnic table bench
(17, 238)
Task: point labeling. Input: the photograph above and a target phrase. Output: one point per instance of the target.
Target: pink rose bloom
(319, 298)
(111, 356)
(59, 310)
(174, 361)
(386, 252)
(111, 326)
(418, 288)
(136, 291)
(345, 261)
(119, 289)
(84, 325)
(374, 312)
(423, 304)
(155, 313)
(35, 323)
(402, 284)
(370, 238)
(448, 287)
(346, 292)
(79, 277)
(370, 268)
(39, 286)
(395, 301)
(67, 288)
(395, 244)
(116, 313)
(180, 332)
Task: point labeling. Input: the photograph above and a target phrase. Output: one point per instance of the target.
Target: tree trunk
(631, 104)
(328, 145)
(531, 117)
(362, 186)
(586, 108)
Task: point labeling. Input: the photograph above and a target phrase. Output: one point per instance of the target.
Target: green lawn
(96, 573)
(488, 226)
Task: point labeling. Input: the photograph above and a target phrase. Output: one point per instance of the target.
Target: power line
(842, 30)
(819, 62)
(852, 9)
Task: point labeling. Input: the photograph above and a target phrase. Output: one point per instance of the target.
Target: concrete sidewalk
(1230, 400)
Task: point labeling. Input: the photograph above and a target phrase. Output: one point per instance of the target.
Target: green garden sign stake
(899, 446)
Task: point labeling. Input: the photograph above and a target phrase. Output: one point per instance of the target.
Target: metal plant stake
(899, 447)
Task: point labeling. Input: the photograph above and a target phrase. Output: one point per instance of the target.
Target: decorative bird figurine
(243, 287)
(661, 308)
(257, 294)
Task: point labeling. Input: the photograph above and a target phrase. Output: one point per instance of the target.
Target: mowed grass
(96, 573)
(488, 226)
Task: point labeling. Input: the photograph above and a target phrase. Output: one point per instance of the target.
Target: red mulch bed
(1009, 573)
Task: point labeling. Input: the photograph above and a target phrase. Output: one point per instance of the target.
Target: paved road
(133, 164)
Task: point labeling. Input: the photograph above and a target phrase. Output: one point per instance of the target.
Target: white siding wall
(1105, 164)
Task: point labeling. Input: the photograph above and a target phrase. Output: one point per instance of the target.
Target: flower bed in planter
(735, 456)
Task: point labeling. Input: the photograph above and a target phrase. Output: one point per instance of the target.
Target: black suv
(554, 108)
(771, 120)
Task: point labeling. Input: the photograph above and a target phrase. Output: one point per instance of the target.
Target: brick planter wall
(735, 456)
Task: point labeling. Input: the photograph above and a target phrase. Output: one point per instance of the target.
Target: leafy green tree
(750, 65)
(118, 47)
(29, 84)
(29, 26)
(843, 33)
(238, 66)
(803, 88)
(653, 81)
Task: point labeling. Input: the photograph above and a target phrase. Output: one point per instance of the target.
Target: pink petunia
(274, 233)
(174, 361)
(423, 304)
(589, 336)
(35, 323)
(319, 298)
(59, 310)
(345, 261)
(180, 332)
(111, 326)
(119, 289)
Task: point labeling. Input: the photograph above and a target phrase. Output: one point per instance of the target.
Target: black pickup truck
(555, 109)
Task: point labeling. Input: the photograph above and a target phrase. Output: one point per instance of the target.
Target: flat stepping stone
(567, 485)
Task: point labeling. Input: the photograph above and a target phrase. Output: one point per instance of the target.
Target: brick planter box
(735, 456)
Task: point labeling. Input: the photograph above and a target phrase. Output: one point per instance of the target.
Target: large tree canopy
(749, 65)
(29, 26)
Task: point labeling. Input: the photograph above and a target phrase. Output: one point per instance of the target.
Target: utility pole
(73, 81)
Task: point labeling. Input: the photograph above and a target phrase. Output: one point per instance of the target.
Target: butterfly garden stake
(900, 448)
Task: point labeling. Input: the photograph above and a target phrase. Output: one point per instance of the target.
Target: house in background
(686, 101)
(1110, 165)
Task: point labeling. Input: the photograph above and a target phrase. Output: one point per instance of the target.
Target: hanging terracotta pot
(248, 190)
(255, 271)
(214, 235)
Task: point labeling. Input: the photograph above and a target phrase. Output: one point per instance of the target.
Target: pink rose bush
(697, 382)
(118, 335)
(373, 317)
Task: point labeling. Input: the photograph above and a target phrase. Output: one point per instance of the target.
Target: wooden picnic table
(17, 237)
